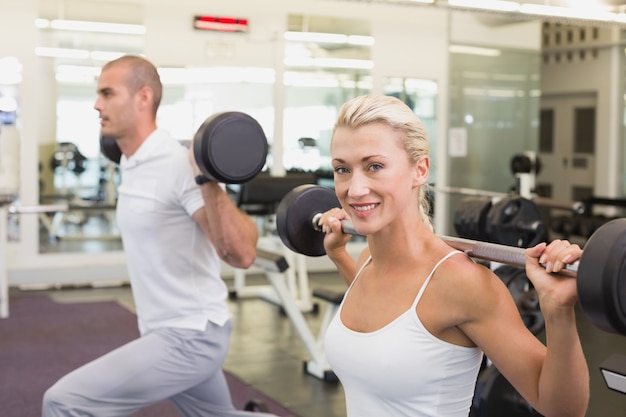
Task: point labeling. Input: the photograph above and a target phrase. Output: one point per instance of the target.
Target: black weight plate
(600, 277)
(524, 294)
(110, 149)
(494, 396)
(470, 217)
(515, 221)
(294, 218)
(230, 147)
(524, 164)
(514, 278)
(256, 405)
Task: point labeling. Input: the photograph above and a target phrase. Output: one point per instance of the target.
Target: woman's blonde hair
(393, 112)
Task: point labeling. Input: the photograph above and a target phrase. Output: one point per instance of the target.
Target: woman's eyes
(370, 167)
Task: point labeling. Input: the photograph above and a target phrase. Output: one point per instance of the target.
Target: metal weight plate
(524, 294)
(230, 147)
(515, 221)
(109, 148)
(470, 217)
(294, 217)
(601, 277)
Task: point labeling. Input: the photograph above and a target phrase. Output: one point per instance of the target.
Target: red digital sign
(220, 24)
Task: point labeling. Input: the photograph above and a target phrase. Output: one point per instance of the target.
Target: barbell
(600, 273)
(229, 147)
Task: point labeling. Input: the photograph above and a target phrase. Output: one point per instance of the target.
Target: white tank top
(402, 369)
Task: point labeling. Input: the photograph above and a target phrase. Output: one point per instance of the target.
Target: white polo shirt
(174, 269)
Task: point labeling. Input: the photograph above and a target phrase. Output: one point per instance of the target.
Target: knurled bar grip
(482, 250)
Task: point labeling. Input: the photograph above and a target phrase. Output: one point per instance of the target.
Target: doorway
(567, 146)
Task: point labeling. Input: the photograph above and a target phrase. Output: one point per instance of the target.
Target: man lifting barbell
(418, 315)
(175, 230)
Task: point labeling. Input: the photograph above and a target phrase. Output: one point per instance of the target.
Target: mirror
(10, 79)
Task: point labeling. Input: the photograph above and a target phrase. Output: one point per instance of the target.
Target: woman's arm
(564, 380)
(553, 378)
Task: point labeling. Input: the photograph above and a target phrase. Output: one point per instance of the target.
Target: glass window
(496, 100)
(495, 103)
(327, 62)
(10, 79)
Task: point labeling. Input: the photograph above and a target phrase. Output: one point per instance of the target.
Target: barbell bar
(43, 208)
(574, 206)
(600, 273)
(229, 147)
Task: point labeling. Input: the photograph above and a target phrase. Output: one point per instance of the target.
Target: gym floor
(267, 352)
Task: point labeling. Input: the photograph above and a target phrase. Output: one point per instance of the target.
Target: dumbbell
(600, 273)
(229, 147)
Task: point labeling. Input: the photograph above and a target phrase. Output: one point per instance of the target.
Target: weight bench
(259, 197)
(275, 265)
(333, 299)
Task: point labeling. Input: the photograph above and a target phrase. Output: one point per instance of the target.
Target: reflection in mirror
(327, 62)
(73, 171)
(10, 79)
(191, 95)
(86, 179)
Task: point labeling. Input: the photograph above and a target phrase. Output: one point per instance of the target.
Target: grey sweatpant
(182, 365)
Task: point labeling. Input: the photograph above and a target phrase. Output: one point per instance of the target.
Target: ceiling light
(306, 80)
(495, 5)
(10, 64)
(212, 75)
(10, 78)
(360, 40)
(422, 85)
(590, 13)
(76, 74)
(67, 53)
(336, 38)
(8, 104)
(474, 50)
(85, 26)
(575, 11)
(61, 53)
(105, 56)
(309, 62)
